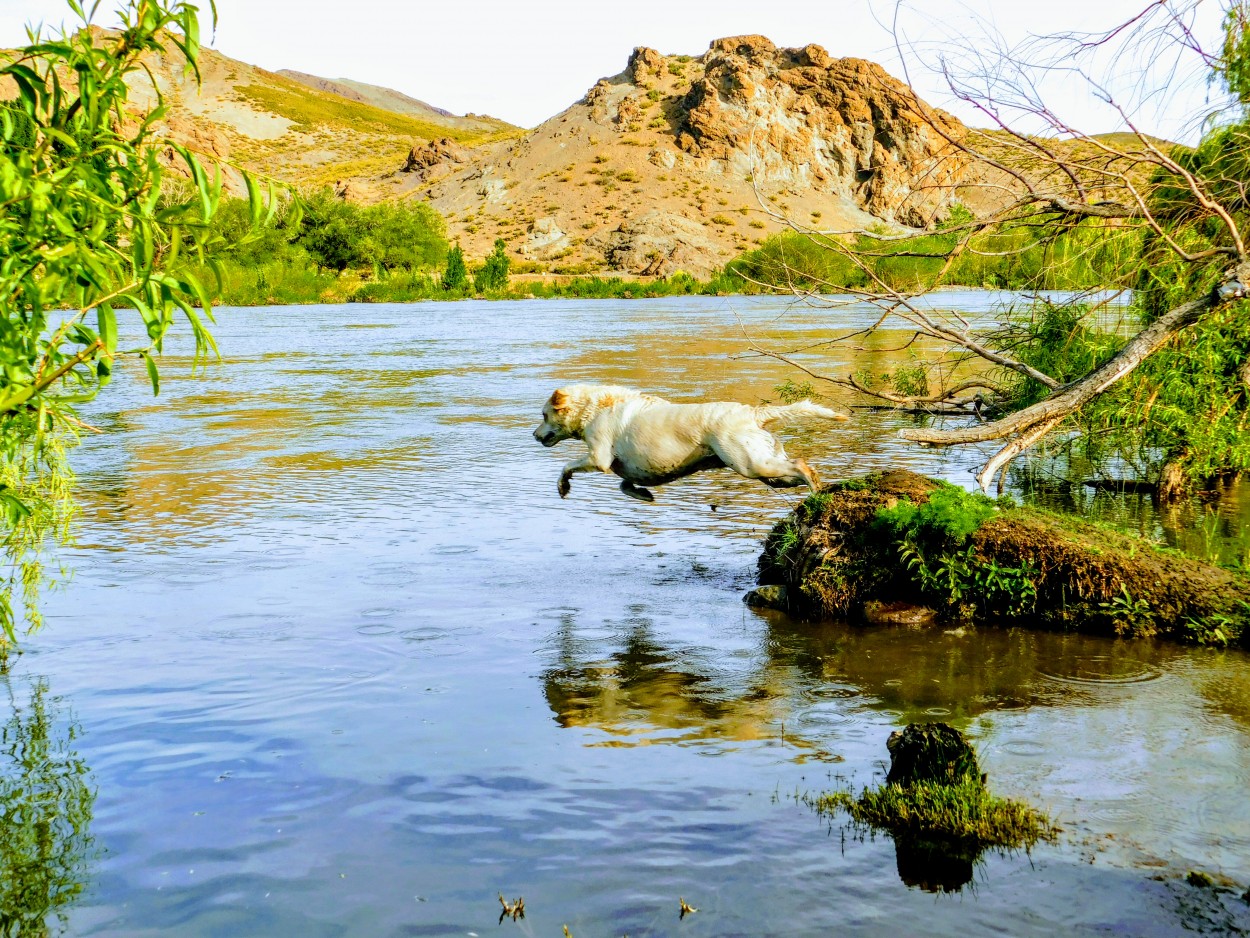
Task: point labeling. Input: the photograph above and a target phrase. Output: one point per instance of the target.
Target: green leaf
(106, 319)
(254, 202)
(15, 510)
(154, 376)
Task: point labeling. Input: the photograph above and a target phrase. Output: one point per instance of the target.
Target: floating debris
(513, 910)
(686, 909)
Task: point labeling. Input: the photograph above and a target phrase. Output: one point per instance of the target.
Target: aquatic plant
(965, 812)
(786, 539)
(936, 806)
(1129, 616)
(931, 539)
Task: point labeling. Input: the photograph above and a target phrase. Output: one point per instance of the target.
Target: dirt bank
(890, 541)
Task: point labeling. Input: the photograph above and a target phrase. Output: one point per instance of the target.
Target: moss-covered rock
(898, 537)
(931, 752)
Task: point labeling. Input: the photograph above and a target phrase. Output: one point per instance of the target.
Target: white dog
(649, 441)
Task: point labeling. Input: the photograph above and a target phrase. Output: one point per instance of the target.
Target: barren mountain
(680, 162)
(275, 126)
(676, 163)
(389, 99)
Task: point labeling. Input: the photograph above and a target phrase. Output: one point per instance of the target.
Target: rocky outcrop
(644, 64)
(682, 162)
(543, 239)
(844, 124)
(422, 159)
(660, 243)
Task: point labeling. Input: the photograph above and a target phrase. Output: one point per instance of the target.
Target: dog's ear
(560, 400)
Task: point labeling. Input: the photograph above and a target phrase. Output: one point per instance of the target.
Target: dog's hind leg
(760, 456)
(636, 491)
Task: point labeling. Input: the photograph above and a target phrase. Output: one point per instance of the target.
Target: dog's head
(559, 420)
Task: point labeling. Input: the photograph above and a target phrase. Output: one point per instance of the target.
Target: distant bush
(455, 275)
(493, 276)
(332, 234)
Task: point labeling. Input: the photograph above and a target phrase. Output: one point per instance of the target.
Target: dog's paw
(809, 474)
(563, 487)
(637, 491)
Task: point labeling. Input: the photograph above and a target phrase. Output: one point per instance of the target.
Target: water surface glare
(336, 660)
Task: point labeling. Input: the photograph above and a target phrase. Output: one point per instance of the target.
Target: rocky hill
(295, 131)
(676, 163)
(388, 99)
(680, 162)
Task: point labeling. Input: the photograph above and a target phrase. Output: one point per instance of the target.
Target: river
(335, 659)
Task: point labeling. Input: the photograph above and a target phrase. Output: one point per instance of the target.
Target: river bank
(898, 546)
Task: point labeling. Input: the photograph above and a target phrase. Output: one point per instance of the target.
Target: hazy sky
(525, 60)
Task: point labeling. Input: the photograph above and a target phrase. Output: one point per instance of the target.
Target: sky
(526, 61)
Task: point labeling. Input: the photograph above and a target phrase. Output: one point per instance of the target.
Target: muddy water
(336, 660)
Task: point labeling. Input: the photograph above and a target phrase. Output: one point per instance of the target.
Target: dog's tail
(799, 410)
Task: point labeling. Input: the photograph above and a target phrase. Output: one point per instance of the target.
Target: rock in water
(931, 752)
(767, 597)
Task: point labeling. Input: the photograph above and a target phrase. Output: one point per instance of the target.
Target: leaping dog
(649, 441)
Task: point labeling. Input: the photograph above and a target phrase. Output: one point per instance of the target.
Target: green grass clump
(932, 541)
(816, 503)
(964, 813)
(787, 539)
(950, 515)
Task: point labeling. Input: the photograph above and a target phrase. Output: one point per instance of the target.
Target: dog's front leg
(585, 464)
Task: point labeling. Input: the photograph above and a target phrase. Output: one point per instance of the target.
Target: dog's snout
(544, 436)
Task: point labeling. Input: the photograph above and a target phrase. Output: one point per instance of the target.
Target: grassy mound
(964, 814)
(898, 536)
(937, 808)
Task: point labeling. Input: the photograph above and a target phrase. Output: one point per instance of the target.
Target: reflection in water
(643, 686)
(934, 866)
(1214, 528)
(809, 679)
(46, 801)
